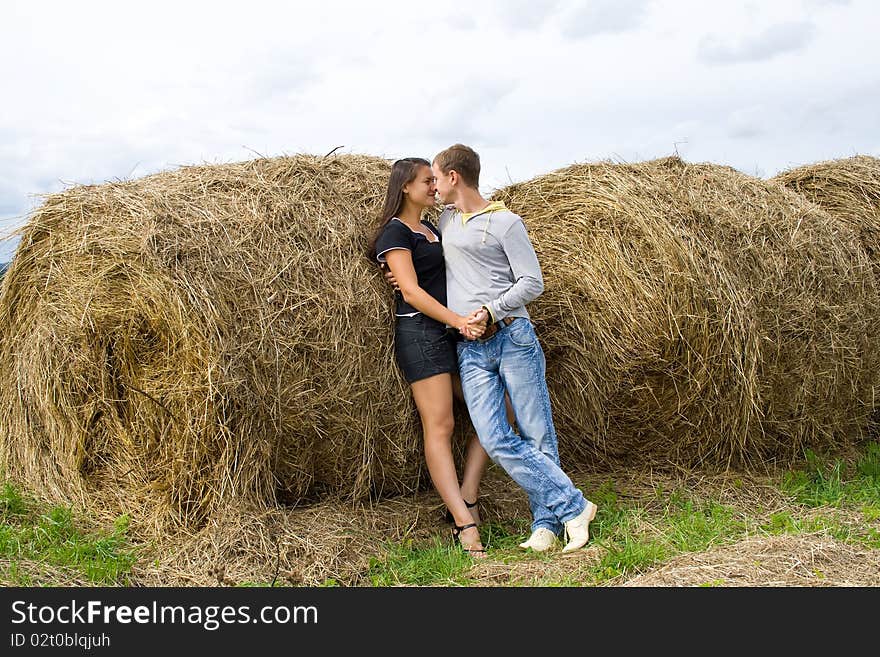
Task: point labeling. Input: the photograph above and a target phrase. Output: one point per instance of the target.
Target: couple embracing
(461, 328)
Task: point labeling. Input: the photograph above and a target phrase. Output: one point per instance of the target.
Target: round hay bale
(697, 313)
(205, 336)
(812, 298)
(849, 190)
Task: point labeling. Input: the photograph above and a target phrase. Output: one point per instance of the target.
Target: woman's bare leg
(433, 398)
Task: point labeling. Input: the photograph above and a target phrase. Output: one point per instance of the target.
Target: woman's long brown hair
(403, 172)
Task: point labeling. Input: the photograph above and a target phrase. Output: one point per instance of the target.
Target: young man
(492, 267)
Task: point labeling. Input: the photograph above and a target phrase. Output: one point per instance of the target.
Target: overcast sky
(96, 91)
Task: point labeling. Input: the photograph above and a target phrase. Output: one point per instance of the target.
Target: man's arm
(389, 275)
(529, 283)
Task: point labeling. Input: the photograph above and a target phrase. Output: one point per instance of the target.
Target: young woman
(425, 351)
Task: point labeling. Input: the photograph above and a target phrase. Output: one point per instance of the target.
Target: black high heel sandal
(451, 519)
(456, 532)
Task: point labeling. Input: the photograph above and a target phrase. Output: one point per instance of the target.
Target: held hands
(472, 326)
(475, 324)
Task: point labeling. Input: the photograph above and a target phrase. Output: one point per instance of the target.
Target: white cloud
(768, 43)
(525, 14)
(747, 122)
(603, 17)
(99, 90)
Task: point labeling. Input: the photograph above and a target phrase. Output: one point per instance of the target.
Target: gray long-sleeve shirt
(489, 261)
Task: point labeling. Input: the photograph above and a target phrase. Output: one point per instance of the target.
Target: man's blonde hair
(463, 160)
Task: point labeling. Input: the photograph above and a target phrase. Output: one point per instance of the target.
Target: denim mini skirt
(423, 348)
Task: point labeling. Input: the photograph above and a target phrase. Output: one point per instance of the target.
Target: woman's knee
(438, 427)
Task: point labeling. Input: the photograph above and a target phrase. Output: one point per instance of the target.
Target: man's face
(444, 184)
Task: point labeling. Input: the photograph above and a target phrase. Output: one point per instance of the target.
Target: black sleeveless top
(427, 260)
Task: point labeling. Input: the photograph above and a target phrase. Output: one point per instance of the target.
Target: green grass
(619, 529)
(785, 523)
(53, 538)
(436, 564)
(635, 539)
(634, 536)
(626, 554)
(825, 495)
(828, 482)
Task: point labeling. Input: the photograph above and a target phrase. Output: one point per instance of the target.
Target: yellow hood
(492, 207)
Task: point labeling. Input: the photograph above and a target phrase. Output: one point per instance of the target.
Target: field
(198, 382)
(816, 523)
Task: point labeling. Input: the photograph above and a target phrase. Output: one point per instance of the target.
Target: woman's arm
(401, 266)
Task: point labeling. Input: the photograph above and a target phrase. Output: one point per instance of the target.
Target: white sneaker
(577, 530)
(542, 539)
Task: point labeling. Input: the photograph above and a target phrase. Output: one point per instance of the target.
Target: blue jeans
(513, 360)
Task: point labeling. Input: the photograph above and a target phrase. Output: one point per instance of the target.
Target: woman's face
(422, 189)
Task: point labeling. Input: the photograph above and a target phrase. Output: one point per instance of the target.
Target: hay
(26, 572)
(697, 313)
(777, 561)
(211, 340)
(312, 544)
(202, 337)
(847, 189)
